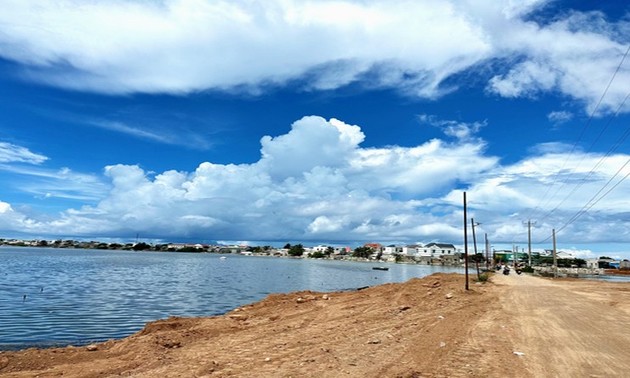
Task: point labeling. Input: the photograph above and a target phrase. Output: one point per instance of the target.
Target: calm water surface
(65, 296)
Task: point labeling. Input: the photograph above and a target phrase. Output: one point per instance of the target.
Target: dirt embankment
(428, 327)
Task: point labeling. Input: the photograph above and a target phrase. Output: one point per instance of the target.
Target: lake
(71, 296)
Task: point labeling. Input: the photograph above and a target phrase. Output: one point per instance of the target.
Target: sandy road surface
(567, 328)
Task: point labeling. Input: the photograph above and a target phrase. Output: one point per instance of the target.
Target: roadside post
(465, 241)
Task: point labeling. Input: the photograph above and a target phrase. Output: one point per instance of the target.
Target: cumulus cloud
(9, 218)
(195, 45)
(542, 188)
(317, 182)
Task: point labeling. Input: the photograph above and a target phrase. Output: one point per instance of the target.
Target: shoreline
(423, 327)
(271, 326)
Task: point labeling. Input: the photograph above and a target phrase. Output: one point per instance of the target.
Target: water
(65, 296)
(610, 278)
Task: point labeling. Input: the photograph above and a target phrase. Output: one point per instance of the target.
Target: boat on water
(380, 268)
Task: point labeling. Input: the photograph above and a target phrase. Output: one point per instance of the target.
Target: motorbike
(506, 271)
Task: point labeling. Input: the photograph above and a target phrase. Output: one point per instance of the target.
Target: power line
(586, 125)
(591, 202)
(612, 149)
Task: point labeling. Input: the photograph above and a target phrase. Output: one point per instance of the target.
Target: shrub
(483, 277)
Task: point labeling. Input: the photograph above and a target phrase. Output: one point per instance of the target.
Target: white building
(411, 250)
(439, 249)
(392, 250)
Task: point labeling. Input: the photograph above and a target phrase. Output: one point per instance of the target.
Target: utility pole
(465, 241)
(487, 252)
(555, 261)
(473, 224)
(529, 239)
(514, 254)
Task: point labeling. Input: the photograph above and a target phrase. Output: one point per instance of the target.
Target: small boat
(380, 268)
(222, 258)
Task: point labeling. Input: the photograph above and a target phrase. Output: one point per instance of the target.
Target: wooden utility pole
(529, 239)
(465, 241)
(487, 252)
(555, 261)
(473, 224)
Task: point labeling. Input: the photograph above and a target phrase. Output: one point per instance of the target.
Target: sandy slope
(427, 327)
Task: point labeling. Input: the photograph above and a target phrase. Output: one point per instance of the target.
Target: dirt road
(428, 327)
(567, 328)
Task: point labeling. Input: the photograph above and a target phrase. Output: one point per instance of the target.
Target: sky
(321, 122)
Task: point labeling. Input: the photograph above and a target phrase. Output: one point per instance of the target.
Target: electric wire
(581, 135)
(592, 203)
(556, 176)
(599, 162)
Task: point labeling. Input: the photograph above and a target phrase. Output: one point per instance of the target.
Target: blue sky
(316, 121)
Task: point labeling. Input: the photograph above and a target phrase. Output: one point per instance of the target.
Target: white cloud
(46, 183)
(312, 142)
(525, 79)
(180, 138)
(577, 56)
(459, 130)
(559, 117)
(10, 219)
(193, 45)
(541, 188)
(183, 46)
(58, 183)
(11, 153)
(384, 194)
(313, 182)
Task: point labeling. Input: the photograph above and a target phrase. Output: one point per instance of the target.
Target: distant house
(563, 255)
(411, 250)
(342, 250)
(392, 250)
(592, 263)
(440, 249)
(376, 247)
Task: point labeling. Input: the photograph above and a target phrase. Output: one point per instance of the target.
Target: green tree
(296, 250)
(287, 246)
(316, 255)
(141, 247)
(364, 252)
(329, 251)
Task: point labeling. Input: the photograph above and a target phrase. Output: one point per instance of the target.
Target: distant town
(430, 254)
